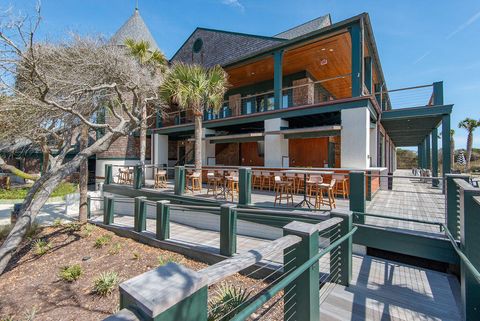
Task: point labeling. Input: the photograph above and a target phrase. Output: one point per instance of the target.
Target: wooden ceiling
(323, 59)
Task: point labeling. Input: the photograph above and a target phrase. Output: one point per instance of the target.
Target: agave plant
(224, 305)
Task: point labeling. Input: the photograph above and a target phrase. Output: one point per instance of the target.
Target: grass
(57, 222)
(115, 249)
(88, 230)
(20, 193)
(41, 247)
(165, 259)
(105, 283)
(102, 241)
(70, 273)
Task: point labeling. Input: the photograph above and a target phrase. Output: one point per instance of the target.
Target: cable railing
(416, 96)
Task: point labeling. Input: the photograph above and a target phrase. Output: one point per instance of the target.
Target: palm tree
(470, 125)
(452, 147)
(156, 60)
(195, 87)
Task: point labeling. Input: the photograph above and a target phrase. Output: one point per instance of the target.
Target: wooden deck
(380, 289)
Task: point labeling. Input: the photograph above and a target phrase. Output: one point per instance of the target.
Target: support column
(438, 93)
(419, 156)
(369, 74)
(373, 144)
(208, 155)
(355, 149)
(357, 59)
(428, 152)
(276, 146)
(446, 144)
(435, 156)
(277, 79)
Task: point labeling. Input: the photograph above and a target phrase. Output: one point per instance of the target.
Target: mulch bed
(31, 288)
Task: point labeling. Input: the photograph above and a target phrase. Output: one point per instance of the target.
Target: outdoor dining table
(306, 172)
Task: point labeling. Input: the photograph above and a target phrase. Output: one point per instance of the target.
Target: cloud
(234, 3)
(421, 57)
(472, 19)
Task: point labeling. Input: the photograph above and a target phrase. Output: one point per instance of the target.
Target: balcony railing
(417, 96)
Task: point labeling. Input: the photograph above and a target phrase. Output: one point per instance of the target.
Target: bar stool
(312, 185)
(291, 177)
(161, 179)
(329, 188)
(213, 182)
(257, 179)
(195, 181)
(282, 187)
(341, 186)
(232, 186)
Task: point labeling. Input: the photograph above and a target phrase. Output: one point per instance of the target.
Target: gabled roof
(136, 29)
(307, 27)
(221, 47)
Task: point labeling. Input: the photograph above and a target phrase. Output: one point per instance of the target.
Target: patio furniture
(305, 173)
(291, 177)
(194, 179)
(257, 179)
(161, 179)
(283, 188)
(341, 186)
(312, 185)
(268, 180)
(231, 186)
(125, 176)
(329, 189)
(214, 182)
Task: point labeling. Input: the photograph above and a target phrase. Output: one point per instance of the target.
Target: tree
(156, 59)
(57, 88)
(195, 87)
(470, 125)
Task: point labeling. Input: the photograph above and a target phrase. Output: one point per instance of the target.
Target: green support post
(244, 186)
(228, 230)
(419, 156)
(277, 79)
(357, 59)
(470, 239)
(435, 182)
(438, 93)
(368, 191)
(302, 296)
(179, 180)
(108, 174)
(446, 145)
(138, 177)
(163, 220)
(357, 194)
(89, 208)
(140, 219)
(368, 74)
(428, 152)
(343, 264)
(108, 210)
(451, 207)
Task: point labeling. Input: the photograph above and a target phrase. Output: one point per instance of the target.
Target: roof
(307, 27)
(221, 47)
(136, 29)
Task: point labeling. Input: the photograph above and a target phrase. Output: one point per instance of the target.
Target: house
(314, 95)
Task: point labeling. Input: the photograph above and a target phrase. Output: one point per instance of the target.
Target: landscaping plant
(105, 283)
(71, 273)
(224, 305)
(41, 247)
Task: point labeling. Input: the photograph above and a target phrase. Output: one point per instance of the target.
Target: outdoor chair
(312, 185)
(341, 186)
(161, 179)
(290, 177)
(268, 181)
(329, 189)
(213, 183)
(194, 179)
(232, 186)
(257, 179)
(282, 189)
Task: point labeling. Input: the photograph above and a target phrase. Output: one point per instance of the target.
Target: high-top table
(306, 172)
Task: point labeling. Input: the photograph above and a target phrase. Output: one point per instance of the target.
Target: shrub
(57, 222)
(105, 283)
(226, 302)
(165, 259)
(88, 230)
(71, 273)
(102, 241)
(20, 193)
(115, 249)
(74, 227)
(41, 247)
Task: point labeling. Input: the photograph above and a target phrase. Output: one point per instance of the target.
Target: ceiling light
(331, 50)
(323, 49)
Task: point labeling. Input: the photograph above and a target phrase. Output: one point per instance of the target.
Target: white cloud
(234, 3)
(421, 57)
(472, 19)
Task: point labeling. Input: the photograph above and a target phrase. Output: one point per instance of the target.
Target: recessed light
(331, 50)
(323, 49)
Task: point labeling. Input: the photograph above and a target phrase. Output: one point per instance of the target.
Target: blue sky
(419, 42)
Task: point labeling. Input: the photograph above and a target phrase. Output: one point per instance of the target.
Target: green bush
(226, 302)
(102, 241)
(20, 193)
(41, 247)
(105, 283)
(71, 273)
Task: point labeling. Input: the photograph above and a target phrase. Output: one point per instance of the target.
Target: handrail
(412, 177)
(262, 299)
(463, 257)
(218, 272)
(400, 219)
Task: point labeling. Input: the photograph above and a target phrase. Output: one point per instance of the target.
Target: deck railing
(416, 96)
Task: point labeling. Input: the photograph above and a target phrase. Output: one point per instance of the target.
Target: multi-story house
(314, 95)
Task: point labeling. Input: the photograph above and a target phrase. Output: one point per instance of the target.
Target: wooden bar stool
(161, 179)
(282, 188)
(257, 179)
(290, 177)
(195, 181)
(341, 186)
(312, 186)
(213, 183)
(232, 186)
(329, 188)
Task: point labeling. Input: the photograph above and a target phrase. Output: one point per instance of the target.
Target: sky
(419, 42)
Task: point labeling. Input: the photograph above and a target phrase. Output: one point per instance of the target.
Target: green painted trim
(452, 205)
(435, 182)
(138, 177)
(357, 195)
(438, 93)
(108, 210)
(417, 112)
(228, 230)
(108, 174)
(179, 186)
(163, 220)
(344, 264)
(356, 36)
(432, 248)
(118, 158)
(277, 79)
(446, 145)
(140, 214)
(428, 151)
(244, 186)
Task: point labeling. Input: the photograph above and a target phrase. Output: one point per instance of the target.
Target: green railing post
(343, 264)
(163, 220)
(140, 219)
(108, 210)
(470, 244)
(244, 186)
(138, 177)
(368, 190)
(435, 182)
(89, 207)
(452, 203)
(357, 194)
(228, 230)
(108, 174)
(302, 295)
(179, 180)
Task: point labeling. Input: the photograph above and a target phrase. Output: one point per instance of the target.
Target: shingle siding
(307, 27)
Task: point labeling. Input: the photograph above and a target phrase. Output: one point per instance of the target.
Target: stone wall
(305, 94)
